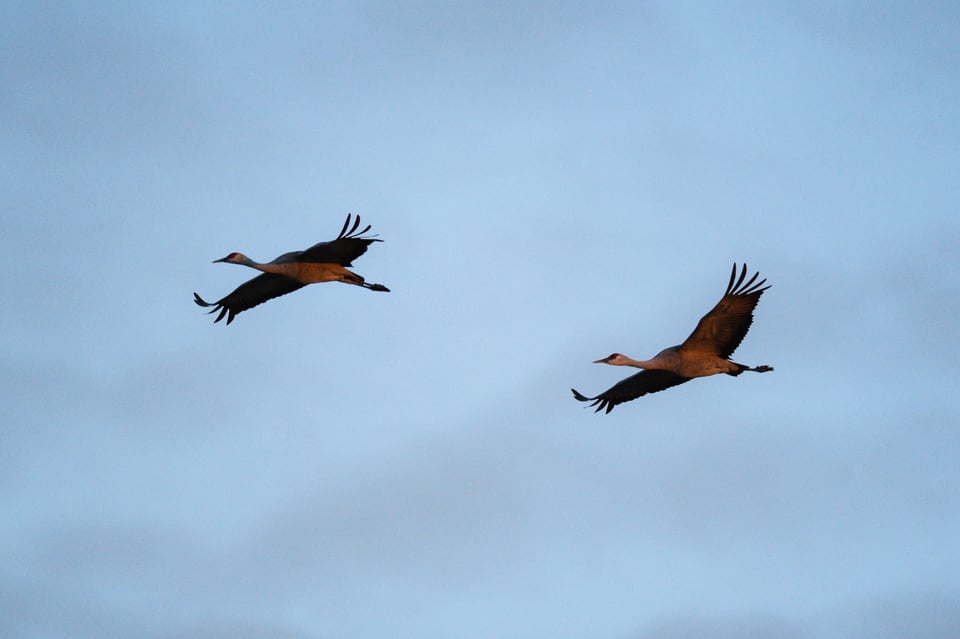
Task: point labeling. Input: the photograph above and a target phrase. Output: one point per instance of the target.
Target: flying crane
(323, 262)
(706, 352)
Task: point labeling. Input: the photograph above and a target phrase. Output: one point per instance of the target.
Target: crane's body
(686, 363)
(305, 273)
(705, 352)
(322, 262)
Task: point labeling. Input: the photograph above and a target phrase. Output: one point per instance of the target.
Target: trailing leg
(756, 369)
(349, 277)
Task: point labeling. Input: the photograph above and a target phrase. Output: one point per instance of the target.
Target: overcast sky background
(552, 183)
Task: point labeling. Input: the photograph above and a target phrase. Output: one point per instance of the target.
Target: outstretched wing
(722, 329)
(348, 246)
(643, 383)
(249, 294)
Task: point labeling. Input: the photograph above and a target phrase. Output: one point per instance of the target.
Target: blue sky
(553, 183)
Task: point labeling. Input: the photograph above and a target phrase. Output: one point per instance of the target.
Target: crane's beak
(222, 259)
(601, 361)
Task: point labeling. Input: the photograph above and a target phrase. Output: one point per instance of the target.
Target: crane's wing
(249, 294)
(722, 329)
(348, 246)
(643, 383)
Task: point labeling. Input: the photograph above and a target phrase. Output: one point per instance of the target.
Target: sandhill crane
(323, 262)
(705, 352)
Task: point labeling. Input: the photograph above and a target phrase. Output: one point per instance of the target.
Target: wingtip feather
(345, 225)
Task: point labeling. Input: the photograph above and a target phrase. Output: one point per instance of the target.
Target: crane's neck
(265, 268)
(666, 360)
(648, 364)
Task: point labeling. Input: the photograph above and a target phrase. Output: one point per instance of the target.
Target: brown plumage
(705, 352)
(323, 262)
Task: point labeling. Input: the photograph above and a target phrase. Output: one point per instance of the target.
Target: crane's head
(616, 359)
(233, 258)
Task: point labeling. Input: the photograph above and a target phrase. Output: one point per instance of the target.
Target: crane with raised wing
(323, 262)
(705, 352)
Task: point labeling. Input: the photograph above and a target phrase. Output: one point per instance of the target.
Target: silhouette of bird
(323, 262)
(705, 352)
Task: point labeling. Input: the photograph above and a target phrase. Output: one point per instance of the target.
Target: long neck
(666, 360)
(266, 268)
(649, 364)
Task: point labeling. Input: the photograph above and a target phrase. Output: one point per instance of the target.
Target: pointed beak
(222, 259)
(601, 361)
